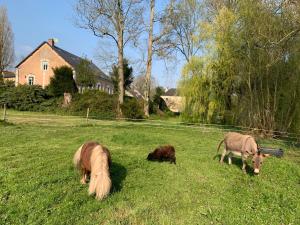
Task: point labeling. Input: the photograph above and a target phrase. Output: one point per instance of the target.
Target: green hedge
(132, 108)
(24, 97)
(101, 104)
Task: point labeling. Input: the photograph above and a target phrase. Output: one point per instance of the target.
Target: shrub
(132, 109)
(4, 86)
(158, 105)
(51, 105)
(24, 97)
(85, 74)
(128, 76)
(101, 104)
(62, 81)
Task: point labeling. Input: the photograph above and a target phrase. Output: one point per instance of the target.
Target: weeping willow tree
(208, 82)
(251, 73)
(195, 85)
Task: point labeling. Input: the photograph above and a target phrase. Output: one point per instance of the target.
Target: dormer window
(45, 65)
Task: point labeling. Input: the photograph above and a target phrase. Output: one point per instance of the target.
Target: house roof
(8, 74)
(134, 93)
(174, 103)
(171, 92)
(70, 58)
(74, 60)
(23, 60)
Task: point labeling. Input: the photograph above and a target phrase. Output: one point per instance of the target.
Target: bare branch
(6, 42)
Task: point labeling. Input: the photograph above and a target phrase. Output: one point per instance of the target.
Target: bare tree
(139, 84)
(119, 20)
(104, 56)
(149, 60)
(6, 41)
(180, 26)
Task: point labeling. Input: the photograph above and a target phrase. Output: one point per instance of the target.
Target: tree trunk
(121, 76)
(149, 61)
(120, 61)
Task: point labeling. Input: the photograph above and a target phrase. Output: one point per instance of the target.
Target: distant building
(8, 76)
(134, 93)
(36, 68)
(173, 101)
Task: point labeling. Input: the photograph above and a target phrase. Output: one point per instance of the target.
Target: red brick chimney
(51, 42)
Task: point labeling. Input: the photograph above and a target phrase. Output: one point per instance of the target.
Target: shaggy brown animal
(163, 153)
(94, 160)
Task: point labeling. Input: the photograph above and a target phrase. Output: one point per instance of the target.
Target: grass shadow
(118, 174)
(237, 162)
(5, 123)
(161, 161)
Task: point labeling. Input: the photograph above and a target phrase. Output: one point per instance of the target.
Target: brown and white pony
(93, 159)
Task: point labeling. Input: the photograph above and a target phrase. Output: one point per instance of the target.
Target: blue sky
(34, 21)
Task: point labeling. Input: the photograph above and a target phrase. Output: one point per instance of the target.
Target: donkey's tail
(220, 146)
(76, 158)
(218, 149)
(100, 178)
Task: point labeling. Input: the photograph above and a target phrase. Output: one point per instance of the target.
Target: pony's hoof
(83, 182)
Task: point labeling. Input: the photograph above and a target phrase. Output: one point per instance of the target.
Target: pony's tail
(76, 159)
(100, 178)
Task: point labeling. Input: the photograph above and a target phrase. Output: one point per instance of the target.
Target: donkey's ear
(258, 151)
(258, 147)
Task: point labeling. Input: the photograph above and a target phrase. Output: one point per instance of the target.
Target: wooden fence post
(87, 114)
(4, 112)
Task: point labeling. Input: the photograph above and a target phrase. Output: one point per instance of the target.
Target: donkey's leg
(244, 158)
(229, 158)
(223, 155)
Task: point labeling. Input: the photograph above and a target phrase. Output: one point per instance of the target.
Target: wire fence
(28, 117)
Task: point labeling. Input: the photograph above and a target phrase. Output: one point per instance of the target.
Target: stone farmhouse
(8, 76)
(36, 68)
(173, 101)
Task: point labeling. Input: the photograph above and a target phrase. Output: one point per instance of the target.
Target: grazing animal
(93, 160)
(244, 146)
(163, 153)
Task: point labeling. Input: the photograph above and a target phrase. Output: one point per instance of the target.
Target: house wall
(8, 76)
(33, 66)
(104, 85)
(174, 103)
(9, 79)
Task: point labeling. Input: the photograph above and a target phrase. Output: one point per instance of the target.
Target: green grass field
(38, 184)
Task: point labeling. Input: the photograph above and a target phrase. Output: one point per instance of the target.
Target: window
(44, 65)
(30, 80)
(99, 86)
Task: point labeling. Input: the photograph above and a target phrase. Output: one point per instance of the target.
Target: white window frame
(45, 64)
(28, 79)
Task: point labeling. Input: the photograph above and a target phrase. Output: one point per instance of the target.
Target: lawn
(38, 184)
